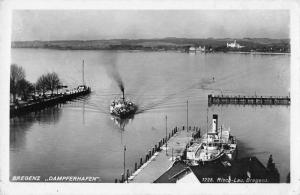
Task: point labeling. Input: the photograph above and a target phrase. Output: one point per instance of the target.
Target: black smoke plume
(112, 70)
(114, 73)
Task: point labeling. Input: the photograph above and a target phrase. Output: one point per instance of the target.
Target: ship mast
(187, 115)
(206, 130)
(83, 72)
(123, 97)
(207, 122)
(221, 134)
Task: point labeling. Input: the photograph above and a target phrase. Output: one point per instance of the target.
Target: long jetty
(42, 103)
(248, 100)
(161, 157)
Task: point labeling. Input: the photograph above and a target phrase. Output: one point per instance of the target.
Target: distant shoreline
(259, 45)
(260, 53)
(177, 51)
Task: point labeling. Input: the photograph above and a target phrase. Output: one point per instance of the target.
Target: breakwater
(248, 100)
(41, 103)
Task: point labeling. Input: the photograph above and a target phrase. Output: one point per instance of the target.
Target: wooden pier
(42, 103)
(161, 157)
(248, 100)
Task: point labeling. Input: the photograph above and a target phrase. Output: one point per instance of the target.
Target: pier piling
(127, 175)
(248, 100)
(123, 179)
(135, 166)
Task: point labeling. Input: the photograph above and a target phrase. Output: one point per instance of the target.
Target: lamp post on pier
(124, 162)
(166, 135)
(187, 115)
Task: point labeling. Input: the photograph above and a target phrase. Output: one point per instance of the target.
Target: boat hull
(123, 115)
(123, 111)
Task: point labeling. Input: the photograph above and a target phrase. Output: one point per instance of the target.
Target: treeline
(21, 87)
(172, 43)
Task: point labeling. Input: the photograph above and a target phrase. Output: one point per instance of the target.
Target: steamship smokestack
(215, 123)
(123, 97)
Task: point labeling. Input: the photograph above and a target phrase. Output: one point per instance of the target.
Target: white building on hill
(234, 45)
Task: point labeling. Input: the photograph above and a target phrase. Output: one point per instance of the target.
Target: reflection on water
(121, 123)
(19, 125)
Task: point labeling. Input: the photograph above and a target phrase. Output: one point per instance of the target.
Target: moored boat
(218, 144)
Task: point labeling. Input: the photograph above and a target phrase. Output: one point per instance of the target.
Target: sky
(44, 25)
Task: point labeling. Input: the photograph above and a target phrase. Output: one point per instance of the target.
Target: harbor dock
(173, 162)
(163, 159)
(244, 170)
(248, 100)
(43, 102)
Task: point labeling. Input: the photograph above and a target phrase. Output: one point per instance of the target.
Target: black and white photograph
(131, 96)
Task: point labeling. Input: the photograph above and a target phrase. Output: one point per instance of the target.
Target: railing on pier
(248, 100)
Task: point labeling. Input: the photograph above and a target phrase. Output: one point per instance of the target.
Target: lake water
(80, 138)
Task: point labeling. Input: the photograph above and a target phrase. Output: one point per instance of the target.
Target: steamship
(122, 108)
(218, 144)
